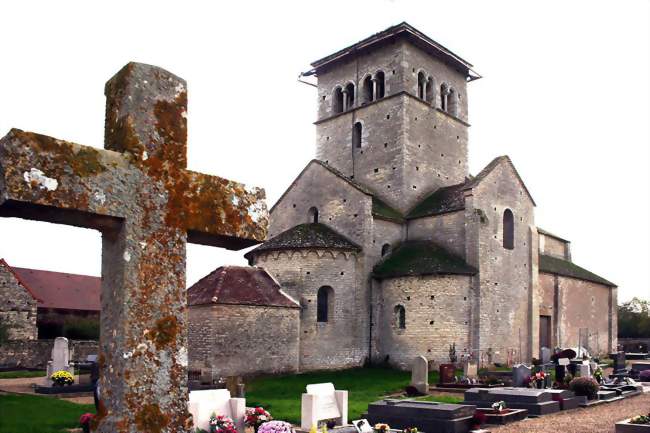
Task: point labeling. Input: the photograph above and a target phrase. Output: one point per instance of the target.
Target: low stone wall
(36, 353)
(632, 344)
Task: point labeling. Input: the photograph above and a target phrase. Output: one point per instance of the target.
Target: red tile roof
(60, 290)
(239, 285)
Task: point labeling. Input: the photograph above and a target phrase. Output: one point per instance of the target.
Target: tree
(634, 319)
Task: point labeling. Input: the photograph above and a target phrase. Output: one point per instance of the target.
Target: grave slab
(427, 416)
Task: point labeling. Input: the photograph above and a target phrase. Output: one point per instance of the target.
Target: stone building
(394, 250)
(37, 303)
(241, 322)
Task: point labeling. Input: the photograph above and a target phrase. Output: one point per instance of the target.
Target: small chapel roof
(239, 285)
(307, 236)
(566, 268)
(421, 258)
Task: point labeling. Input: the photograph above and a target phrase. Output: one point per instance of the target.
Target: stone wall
(17, 306)
(437, 315)
(580, 309)
(552, 246)
(506, 290)
(243, 339)
(36, 353)
(447, 230)
(341, 341)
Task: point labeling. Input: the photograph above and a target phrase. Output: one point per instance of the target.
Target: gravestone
(420, 374)
(323, 402)
(202, 404)
(546, 355)
(536, 401)
(470, 369)
(520, 373)
(60, 359)
(147, 205)
(584, 370)
(447, 373)
(429, 417)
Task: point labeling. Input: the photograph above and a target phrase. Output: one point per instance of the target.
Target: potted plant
(256, 416)
(381, 428)
(220, 424)
(62, 378)
(276, 427)
(585, 387)
(85, 420)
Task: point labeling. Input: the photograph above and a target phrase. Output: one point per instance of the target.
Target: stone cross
(147, 205)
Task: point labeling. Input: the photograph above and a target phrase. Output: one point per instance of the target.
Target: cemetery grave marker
(147, 205)
(420, 374)
(323, 402)
(60, 359)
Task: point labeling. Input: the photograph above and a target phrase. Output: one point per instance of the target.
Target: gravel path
(598, 419)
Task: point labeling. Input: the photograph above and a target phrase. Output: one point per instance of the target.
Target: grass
(35, 414)
(443, 398)
(21, 373)
(281, 395)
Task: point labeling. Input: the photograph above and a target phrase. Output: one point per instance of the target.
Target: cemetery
(326, 371)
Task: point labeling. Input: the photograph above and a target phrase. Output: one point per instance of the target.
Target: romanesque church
(392, 249)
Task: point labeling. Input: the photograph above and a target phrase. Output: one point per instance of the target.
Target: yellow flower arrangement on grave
(62, 377)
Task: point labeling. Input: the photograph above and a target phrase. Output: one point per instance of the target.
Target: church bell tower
(392, 114)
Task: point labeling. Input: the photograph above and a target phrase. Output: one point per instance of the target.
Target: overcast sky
(565, 94)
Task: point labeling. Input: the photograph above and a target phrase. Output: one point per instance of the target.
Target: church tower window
(337, 101)
(324, 300)
(368, 90)
(430, 91)
(357, 130)
(348, 97)
(313, 215)
(422, 83)
(400, 317)
(380, 80)
(508, 230)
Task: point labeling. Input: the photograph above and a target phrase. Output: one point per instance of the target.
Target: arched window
(431, 91)
(452, 102)
(324, 303)
(337, 101)
(348, 103)
(400, 317)
(368, 91)
(422, 83)
(357, 130)
(508, 230)
(385, 249)
(444, 95)
(313, 215)
(380, 78)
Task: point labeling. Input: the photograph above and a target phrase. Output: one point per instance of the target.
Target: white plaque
(563, 361)
(362, 426)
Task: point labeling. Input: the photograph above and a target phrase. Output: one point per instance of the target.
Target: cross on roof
(147, 205)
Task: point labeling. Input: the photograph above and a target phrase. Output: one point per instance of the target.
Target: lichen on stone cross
(147, 205)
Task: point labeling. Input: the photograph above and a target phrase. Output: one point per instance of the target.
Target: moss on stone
(421, 258)
(555, 265)
(382, 210)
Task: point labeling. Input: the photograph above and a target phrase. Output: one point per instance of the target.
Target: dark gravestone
(447, 373)
(619, 362)
(427, 416)
(147, 205)
(536, 401)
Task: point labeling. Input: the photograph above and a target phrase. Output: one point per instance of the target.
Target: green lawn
(35, 414)
(21, 373)
(280, 395)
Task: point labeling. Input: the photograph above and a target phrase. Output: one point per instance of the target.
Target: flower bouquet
(275, 427)
(641, 419)
(61, 378)
(256, 416)
(85, 420)
(499, 406)
(410, 430)
(381, 428)
(221, 424)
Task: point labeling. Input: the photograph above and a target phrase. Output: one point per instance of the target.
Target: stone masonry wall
(243, 339)
(503, 313)
(447, 230)
(580, 305)
(17, 307)
(437, 315)
(36, 353)
(341, 341)
(553, 247)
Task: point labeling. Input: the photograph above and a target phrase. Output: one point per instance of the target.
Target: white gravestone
(322, 402)
(546, 355)
(470, 369)
(60, 358)
(420, 374)
(585, 370)
(202, 404)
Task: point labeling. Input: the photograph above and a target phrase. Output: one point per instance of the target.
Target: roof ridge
(491, 166)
